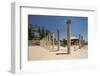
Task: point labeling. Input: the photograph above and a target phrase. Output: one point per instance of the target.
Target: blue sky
(79, 25)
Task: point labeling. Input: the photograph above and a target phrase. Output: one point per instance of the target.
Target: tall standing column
(53, 41)
(83, 42)
(79, 41)
(68, 35)
(49, 40)
(58, 47)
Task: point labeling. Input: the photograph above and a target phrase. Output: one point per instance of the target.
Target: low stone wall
(42, 42)
(33, 42)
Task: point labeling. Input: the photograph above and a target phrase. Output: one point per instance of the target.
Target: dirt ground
(41, 53)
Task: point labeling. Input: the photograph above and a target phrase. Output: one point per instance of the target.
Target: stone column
(79, 41)
(53, 43)
(49, 40)
(58, 38)
(83, 42)
(68, 35)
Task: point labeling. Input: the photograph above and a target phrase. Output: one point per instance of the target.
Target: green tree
(30, 29)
